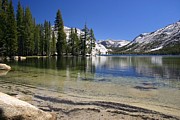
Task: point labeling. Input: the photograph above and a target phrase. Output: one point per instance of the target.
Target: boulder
(14, 109)
(4, 67)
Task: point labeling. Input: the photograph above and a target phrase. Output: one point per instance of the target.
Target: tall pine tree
(47, 32)
(74, 42)
(84, 38)
(1, 30)
(3, 26)
(11, 41)
(41, 42)
(20, 29)
(37, 40)
(61, 40)
(77, 42)
(53, 43)
(28, 36)
(92, 40)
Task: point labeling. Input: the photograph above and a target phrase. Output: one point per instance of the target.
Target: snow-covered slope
(99, 49)
(148, 42)
(113, 43)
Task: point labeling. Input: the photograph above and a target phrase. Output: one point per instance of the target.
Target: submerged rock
(3, 72)
(14, 109)
(4, 67)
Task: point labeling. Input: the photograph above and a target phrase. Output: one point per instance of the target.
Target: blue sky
(110, 19)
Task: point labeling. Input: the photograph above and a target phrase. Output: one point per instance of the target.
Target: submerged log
(4, 67)
(14, 109)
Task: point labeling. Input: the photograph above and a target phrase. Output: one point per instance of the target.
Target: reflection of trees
(149, 66)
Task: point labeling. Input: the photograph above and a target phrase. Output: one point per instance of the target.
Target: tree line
(20, 35)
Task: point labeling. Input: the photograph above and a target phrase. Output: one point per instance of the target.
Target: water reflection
(158, 67)
(139, 66)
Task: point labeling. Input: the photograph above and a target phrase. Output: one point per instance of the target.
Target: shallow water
(147, 80)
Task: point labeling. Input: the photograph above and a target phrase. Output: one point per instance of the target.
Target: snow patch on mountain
(113, 43)
(99, 49)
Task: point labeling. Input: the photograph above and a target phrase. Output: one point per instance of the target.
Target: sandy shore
(73, 107)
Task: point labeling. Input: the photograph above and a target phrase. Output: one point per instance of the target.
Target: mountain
(113, 43)
(162, 41)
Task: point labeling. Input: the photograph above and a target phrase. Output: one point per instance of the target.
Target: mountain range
(163, 41)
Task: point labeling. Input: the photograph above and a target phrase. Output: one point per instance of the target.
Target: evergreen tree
(28, 36)
(3, 25)
(4, 5)
(41, 42)
(11, 41)
(47, 33)
(0, 6)
(84, 38)
(61, 40)
(92, 39)
(1, 30)
(71, 41)
(20, 29)
(77, 42)
(37, 40)
(53, 44)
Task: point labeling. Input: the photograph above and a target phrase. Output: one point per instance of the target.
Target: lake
(151, 82)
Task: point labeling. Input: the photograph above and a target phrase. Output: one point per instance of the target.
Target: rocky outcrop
(14, 109)
(4, 67)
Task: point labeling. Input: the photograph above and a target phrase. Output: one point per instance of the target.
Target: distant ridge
(163, 41)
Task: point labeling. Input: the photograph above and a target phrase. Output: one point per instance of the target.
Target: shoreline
(76, 107)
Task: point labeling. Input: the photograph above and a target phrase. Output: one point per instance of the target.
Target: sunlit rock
(14, 109)
(4, 67)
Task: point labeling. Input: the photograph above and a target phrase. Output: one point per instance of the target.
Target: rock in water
(4, 67)
(14, 109)
(3, 72)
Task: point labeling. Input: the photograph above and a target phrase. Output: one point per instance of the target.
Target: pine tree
(28, 36)
(0, 6)
(3, 26)
(61, 40)
(4, 5)
(49, 37)
(77, 42)
(47, 27)
(20, 29)
(84, 38)
(92, 39)
(41, 42)
(1, 30)
(53, 44)
(37, 40)
(71, 42)
(11, 41)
